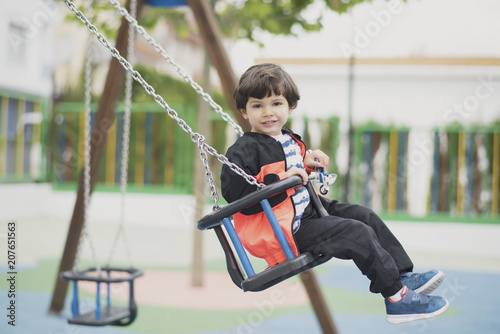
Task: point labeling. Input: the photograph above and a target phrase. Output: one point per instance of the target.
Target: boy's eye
(277, 103)
(257, 106)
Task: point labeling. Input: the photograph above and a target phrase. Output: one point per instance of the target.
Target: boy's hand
(300, 172)
(310, 159)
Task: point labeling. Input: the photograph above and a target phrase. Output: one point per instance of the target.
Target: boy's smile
(267, 115)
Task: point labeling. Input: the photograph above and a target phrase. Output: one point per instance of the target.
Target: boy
(266, 95)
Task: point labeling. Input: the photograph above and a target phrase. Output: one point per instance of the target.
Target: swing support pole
(210, 33)
(318, 302)
(104, 119)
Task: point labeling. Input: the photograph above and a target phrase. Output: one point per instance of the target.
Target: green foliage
(238, 19)
(107, 19)
(176, 17)
(342, 6)
(103, 16)
(77, 93)
(245, 19)
(278, 17)
(172, 90)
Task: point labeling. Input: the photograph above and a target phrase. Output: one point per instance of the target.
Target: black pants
(355, 232)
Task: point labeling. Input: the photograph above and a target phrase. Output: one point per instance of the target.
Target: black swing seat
(111, 316)
(107, 314)
(286, 269)
(270, 275)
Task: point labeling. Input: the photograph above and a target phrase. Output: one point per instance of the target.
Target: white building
(418, 64)
(71, 47)
(421, 64)
(411, 58)
(28, 28)
(27, 31)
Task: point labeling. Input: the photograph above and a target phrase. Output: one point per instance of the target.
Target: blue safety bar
(278, 232)
(245, 261)
(240, 250)
(234, 250)
(108, 297)
(74, 305)
(98, 302)
(108, 314)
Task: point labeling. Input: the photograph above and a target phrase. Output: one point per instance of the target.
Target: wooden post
(210, 33)
(104, 119)
(318, 302)
(203, 125)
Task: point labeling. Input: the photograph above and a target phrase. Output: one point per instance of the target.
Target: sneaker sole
(432, 285)
(401, 318)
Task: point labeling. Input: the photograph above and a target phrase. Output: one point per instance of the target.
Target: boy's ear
(244, 113)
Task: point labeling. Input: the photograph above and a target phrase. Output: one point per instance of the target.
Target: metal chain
(151, 41)
(125, 140)
(195, 137)
(86, 166)
(208, 174)
(217, 108)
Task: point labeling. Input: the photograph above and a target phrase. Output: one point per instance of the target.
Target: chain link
(208, 173)
(125, 141)
(198, 89)
(195, 137)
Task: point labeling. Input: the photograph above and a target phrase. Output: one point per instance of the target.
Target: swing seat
(286, 269)
(107, 315)
(110, 316)
(271, 275)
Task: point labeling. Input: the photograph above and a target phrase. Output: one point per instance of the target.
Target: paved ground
(159, 233)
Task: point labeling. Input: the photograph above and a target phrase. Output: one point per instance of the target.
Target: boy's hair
(261, 81)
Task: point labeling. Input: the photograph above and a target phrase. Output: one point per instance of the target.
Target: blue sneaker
(423, 283)
(414, 306)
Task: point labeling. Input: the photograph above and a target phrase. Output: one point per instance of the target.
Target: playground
(167, 303)
(110, 205)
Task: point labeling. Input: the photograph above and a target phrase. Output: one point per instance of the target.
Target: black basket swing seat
(247, 279)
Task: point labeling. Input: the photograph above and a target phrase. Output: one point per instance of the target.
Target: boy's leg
(346, 238)
(351, 239)
(386, 238)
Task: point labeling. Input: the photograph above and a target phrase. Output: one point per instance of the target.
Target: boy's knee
(346, 239)
(359, 232)
(355, 230)
(364, 212)
(367, 216)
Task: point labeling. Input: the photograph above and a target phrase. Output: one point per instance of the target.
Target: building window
(16, 42)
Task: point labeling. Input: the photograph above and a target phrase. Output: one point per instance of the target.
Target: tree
(107, 18)
(245, 19)
(239, 19)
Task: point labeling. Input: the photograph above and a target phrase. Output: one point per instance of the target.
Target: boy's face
(267, 115)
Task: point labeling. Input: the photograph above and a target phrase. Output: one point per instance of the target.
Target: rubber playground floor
(168, 304)
(473, 296)
(468, 254)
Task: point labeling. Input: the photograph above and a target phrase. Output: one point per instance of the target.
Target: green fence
(465, 179)
(465, 162)
(329, 141)
(464, 170)
(22, 153)
(380, 155)
(160, 153)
